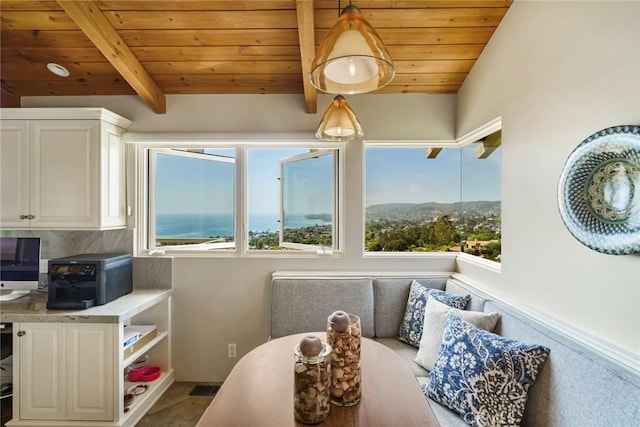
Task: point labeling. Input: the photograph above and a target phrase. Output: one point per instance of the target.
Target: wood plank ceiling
(155, 47)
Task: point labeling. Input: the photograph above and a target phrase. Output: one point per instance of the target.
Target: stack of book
(135, 336)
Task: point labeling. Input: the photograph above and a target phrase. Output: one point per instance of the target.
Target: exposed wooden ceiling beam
(306, 31)
(87, 16)
(432, 152)
(487, 146)
(8, 98)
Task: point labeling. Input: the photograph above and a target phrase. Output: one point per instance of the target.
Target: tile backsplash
(62, 243)
(57, 244)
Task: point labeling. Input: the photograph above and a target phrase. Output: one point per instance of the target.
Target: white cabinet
(65, 371)
(62, 169)
(69, 367)
(14, 172)
(91, 362)
(39, 360)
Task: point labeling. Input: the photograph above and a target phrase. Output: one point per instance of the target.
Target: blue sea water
(221, 225)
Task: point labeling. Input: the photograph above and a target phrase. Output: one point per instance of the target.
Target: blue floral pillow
(482, 376)
(411, 326)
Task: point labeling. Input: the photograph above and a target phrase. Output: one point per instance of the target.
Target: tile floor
(176, 408)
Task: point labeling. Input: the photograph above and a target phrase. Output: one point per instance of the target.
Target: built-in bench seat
(577, 386)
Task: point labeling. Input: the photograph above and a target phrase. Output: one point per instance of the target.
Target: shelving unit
(159, 351)
(69, 366)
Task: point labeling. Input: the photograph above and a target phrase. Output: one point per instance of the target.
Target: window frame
(334, 203)
(474, 135)
(150, 218)
(138, 210)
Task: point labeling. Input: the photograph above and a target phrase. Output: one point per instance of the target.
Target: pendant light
(352, 57)
(339, 123)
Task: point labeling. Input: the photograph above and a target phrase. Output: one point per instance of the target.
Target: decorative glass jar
(312, 380)
(345, 338)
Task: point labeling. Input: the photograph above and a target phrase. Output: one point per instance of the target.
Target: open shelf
(143, 402)
(129, 360)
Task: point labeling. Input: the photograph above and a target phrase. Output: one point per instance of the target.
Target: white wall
(382, 117)
(557, 72)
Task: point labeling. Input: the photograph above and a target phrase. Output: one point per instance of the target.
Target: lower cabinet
(66, 371)
(71, 370)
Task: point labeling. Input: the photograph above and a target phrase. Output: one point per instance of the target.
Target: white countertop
(33, 308)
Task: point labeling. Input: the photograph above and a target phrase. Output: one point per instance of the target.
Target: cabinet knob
(21, 333)
(24, 216)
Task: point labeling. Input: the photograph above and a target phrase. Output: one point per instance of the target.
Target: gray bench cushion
(576, 387)
(406, 353)
(304, 304)
(445, 416)
(391, 296)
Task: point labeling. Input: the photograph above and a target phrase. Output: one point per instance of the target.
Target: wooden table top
(259, 391)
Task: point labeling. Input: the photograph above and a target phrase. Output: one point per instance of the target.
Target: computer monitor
(19, 266)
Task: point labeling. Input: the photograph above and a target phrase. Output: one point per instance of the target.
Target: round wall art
(599, 191)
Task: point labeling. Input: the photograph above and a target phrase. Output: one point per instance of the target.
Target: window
(411, 200)
(292, 201)
(198, 200)
(434, 199)
(480, 210)
(307, 201)
(191, 198)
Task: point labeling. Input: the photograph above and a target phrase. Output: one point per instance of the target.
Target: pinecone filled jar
(345, 338)
(312, 380)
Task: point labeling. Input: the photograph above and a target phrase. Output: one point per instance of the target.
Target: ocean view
(196, 226)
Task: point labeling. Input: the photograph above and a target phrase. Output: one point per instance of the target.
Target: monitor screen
(19, 264)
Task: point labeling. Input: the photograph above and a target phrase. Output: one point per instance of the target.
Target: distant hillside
(430, 210)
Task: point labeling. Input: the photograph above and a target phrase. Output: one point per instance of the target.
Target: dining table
(259, 390)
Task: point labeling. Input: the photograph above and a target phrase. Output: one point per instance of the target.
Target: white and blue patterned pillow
(482, 376)
(411, 326)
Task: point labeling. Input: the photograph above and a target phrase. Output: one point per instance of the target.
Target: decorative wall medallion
(599, 191)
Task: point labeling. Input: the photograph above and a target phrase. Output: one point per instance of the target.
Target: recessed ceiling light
(58, 69)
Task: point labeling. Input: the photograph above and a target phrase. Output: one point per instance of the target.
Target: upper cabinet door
(112, 178)
(14, 173)
(65, 167)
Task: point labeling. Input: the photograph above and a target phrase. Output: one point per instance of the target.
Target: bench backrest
(391, 294)
(304, 304)
(576, 386)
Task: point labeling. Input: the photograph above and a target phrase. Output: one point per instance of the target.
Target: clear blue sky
(405, 175)
(398, 175)
(181, 183)
(264, 170)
